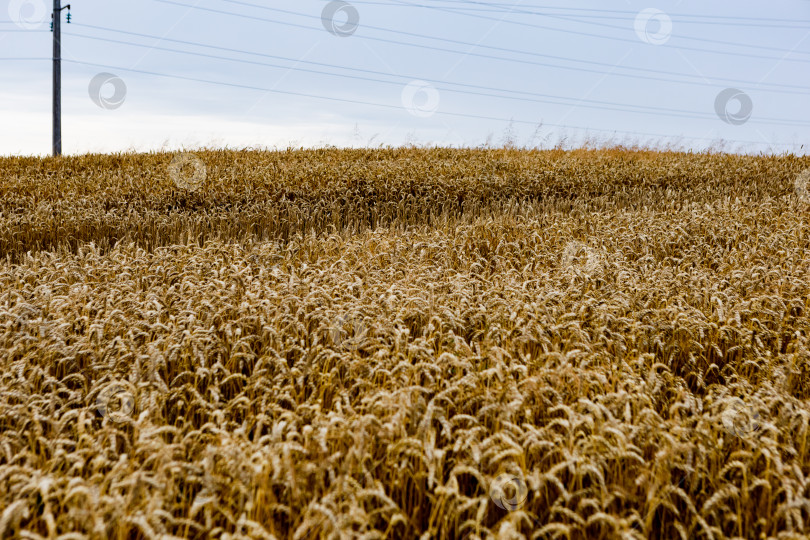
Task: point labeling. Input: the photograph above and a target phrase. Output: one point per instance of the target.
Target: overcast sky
(170, 74)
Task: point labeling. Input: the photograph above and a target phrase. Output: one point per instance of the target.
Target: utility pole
(56, 26)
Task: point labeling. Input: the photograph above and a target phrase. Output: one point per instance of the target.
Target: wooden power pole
(57, 75)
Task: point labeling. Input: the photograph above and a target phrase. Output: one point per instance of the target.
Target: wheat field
(405, 343)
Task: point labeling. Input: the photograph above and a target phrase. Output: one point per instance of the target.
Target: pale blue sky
(591, 66)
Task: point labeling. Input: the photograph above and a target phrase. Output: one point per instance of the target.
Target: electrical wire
(594, 10)
(542, 27)
(724, 20)
(400, 108)
(549, 99)
(680, 19)
(612, 68)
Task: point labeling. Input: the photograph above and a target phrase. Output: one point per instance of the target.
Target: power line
(569, 18)
(604, 25)
(500, 8)
(612, 68)
(628, 15)
(542, 27)
(595, 10)
(399, 108)
(592, 104)
(689, 114)
(801, 89)
(362, 70)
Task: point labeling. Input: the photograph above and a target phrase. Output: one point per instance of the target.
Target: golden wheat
(405, 343)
